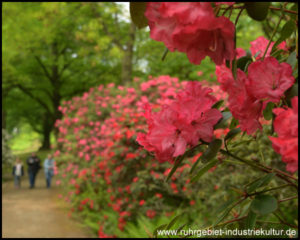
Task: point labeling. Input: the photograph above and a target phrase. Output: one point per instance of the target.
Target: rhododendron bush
(226, 151)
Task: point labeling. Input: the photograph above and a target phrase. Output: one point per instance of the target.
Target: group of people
(33, 164)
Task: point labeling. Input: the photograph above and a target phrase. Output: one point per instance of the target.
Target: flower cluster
(259, 45)
(286, 126)
(192, 28)
(184, 122)
(267, 81)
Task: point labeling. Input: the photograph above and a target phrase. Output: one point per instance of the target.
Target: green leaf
(204, 169)
(287, 29)
(292, 59)
(263, 204)
(256, 54)
(294, 8)
(257, 10)
(176, 165)
(232, 133)
(174, 221)
(268, 111)
(137, 10)
(218, 104)
(224, 214)
(251, 220)
(223, 121)
(292, 92)
(181, 227)
(234, 122)
(225, 205)
(211, 151)
(165, 54)
(227, 62)
(243, 62)
(260, 182)
(285, 32)
(195, 165)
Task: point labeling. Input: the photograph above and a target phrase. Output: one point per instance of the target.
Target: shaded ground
(38, 212)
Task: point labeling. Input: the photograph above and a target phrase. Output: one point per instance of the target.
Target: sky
(126, 11)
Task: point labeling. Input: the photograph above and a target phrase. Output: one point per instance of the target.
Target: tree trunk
(47, 128)
(128, 56)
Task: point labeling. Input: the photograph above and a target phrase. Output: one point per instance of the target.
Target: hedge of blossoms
(102, 165)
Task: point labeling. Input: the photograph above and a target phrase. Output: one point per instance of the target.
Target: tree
(46, 59)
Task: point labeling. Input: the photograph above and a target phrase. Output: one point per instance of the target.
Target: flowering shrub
(102, 165)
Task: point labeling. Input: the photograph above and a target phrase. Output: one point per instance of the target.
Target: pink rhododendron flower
(242, 105)
(240, 52)
(286, 126)
(150, 213)
(192, 28)
(186, 120)
(142, 202)
(260, 45)
(269, 79)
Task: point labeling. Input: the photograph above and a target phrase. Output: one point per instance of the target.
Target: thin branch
(259, 167)
(270, 189)
(284, 222)
(270, 7)
(27, 92)
(285, 10)
(43, 67)
(287, 199)
(273, 34)
(65, 67)
(238, 16)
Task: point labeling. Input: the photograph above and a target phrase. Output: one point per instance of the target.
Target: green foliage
(137, 10)
(257, 10)
(263, 204)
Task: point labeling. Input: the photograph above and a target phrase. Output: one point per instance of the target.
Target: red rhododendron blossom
(163, 137)
(242, 105)
(183, 122)
(286, 126)
(150, 213)
(259, 46)
(192, 27)
(194, 111)
(269, 79)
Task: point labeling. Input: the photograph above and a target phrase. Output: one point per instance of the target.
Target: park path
(37, 213)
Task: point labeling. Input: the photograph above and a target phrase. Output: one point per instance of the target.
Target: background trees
(53, 52)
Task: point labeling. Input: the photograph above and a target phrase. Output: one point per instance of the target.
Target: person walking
(49, 169)
(34, 166)
(18, 172)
